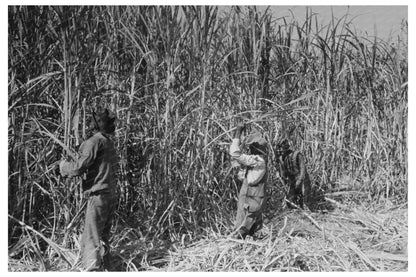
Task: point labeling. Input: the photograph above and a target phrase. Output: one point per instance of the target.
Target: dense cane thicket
(180, 79)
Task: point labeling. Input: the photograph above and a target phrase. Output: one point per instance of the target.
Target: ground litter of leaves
(344, 239)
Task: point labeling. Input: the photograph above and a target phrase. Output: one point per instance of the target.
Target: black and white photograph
(207, 138)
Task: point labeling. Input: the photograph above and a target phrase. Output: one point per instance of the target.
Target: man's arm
(237, 155)
(243, 159)
(302, 170)
(88, 155)
(281, 168)
(239, 130)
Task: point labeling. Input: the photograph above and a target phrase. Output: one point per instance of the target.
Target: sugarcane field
(207, 138)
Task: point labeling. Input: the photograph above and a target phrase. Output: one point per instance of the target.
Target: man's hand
(61, 164)
(241, 126)
(239, 130)
(298, 185)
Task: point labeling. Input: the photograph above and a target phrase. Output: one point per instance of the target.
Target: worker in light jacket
(253, 174)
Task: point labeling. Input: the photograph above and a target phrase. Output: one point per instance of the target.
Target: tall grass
(180, 78)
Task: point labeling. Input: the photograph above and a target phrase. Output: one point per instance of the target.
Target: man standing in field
(98, 159)
(293, 171)
(253, 174)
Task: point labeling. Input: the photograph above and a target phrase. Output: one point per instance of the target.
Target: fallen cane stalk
(55, 246)
(306, 214)
(339, 205)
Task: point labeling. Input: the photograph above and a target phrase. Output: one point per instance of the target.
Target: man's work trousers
(249, 217)
(98, 218)
(299, 195)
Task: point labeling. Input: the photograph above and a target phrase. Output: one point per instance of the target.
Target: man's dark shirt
(98, 159)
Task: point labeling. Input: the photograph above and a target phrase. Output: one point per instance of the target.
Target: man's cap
(255, 138)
